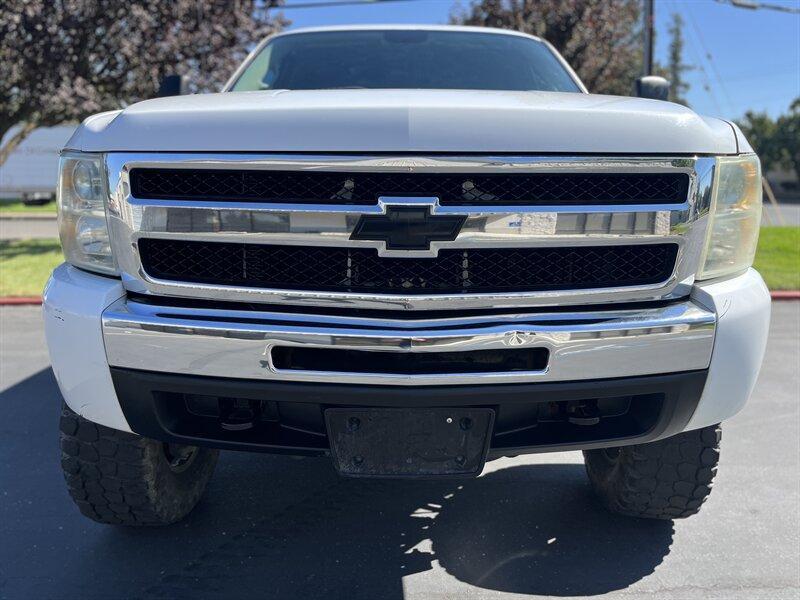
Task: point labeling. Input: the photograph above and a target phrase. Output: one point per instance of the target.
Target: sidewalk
(788, 214)
(28, 226)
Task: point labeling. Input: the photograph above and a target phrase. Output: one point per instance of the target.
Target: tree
(676, 68)
(788, 127)
(776, 141)
(600, 39)
(62, 60)
(760, 130)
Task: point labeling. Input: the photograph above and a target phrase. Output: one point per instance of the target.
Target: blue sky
(755, 54)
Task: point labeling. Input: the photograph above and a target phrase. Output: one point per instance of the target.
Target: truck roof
(407, 27)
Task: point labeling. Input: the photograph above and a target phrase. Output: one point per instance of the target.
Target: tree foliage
(600, 39)
(776, 141)
(760, 130)
(61, 60)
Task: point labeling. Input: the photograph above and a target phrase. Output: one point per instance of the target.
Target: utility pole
(647, 31)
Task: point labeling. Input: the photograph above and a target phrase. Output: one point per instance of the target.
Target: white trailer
(31, 169)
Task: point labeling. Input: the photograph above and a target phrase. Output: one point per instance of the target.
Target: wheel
(122, 478)
(668, 479)
(37, 200)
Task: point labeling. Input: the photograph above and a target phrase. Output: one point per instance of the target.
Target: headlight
(734, 217)
(82, 222)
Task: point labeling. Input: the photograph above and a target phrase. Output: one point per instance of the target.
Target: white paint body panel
(75, 300)
(73, 303)
(422, 121)
(743, 309)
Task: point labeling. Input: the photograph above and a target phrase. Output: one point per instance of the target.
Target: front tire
(121, 478)
(668, 479)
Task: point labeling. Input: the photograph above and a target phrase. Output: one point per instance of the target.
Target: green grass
(16, 206)
(25, 265)
(778, 257)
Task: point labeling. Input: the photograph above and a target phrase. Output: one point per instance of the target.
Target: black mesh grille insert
(315, 187)
(362, 270)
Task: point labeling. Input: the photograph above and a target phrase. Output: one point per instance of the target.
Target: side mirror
(653, 87)
(172, 85)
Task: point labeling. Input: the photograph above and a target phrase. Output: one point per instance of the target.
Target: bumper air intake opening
(252, 421)
(296, 358)
(288, 417)
(576, 421)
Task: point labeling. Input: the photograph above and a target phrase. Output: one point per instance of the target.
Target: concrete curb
(9, 216)
(782, 295)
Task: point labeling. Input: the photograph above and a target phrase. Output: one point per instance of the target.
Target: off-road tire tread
(121, 478)
(667, 479)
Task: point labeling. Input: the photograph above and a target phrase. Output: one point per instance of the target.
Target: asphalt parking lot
(277, 527)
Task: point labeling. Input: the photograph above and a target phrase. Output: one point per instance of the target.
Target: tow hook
(584, 412)
(238, 414)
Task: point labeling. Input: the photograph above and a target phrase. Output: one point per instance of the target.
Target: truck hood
(405, 121)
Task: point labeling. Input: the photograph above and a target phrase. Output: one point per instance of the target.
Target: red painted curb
(785, 295)
(20, 300)
(36, 300)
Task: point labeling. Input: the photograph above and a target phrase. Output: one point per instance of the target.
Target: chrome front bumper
(238, 343)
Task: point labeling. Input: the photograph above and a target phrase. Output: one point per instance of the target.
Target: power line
(706, 80)
(787, 67)
(322, 4)
(764, 74)
(699, 36)
(752, 5)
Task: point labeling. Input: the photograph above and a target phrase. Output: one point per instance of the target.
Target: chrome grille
(288, 238)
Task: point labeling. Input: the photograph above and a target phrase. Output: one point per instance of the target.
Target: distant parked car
(31, 171)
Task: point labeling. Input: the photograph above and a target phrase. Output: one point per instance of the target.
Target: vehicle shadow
(531, 529)
(278, 527)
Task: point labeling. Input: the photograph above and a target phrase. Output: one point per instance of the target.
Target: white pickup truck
(411, 250)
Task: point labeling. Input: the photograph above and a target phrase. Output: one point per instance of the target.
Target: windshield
(405, 59)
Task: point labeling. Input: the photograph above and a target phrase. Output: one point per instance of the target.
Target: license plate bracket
(409, 442)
